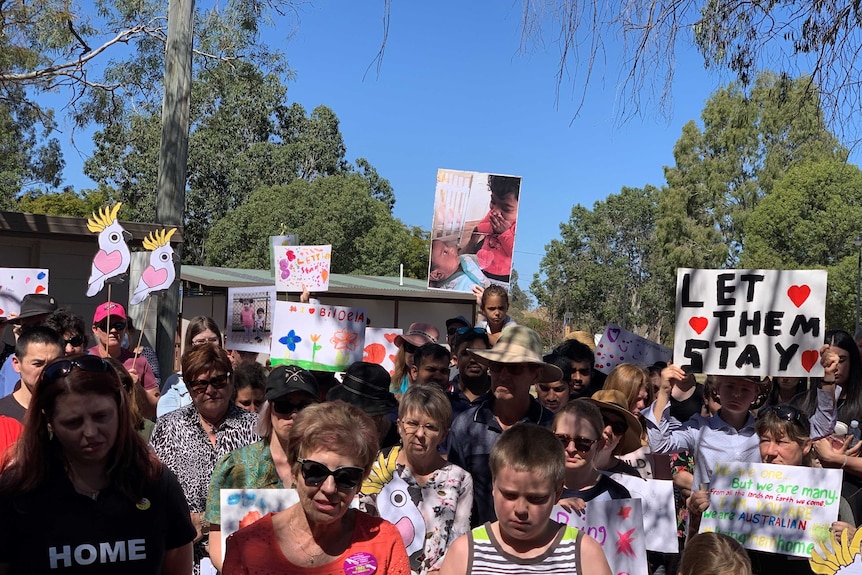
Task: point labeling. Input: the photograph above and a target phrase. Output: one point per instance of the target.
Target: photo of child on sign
(473, 233)
(249, 316)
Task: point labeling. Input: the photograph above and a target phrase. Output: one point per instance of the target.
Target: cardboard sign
(15, 283)
(473, 232)
(298, 266)
(286, 240)
(250, 313)
(111, 262)
(659, 513)
(619, 345)
(319, 337)
(617, 524)
(750, 322)
(773, 508)
(242, 507)
(380, 346)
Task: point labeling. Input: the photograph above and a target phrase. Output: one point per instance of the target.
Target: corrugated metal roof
(338, 283)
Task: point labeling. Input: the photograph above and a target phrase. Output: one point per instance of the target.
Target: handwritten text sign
(298, 266)
(659, 516)
(242, 507)
(617, 524)
(774, 508)
(750, 322)
(380, 346)
(320, 337)
(619, 345)
(15, 283)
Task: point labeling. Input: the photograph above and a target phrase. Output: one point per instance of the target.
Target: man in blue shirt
(35, 309)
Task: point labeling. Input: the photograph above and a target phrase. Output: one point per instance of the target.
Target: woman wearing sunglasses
(784, 440)
(264, 464)
(332, 446)
(580, 429)
(83, 491)
(202, 330)
(191, 439)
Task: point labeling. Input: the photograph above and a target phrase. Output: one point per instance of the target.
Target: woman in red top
(333, 446)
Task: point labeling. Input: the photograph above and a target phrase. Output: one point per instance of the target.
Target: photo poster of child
(473, 231)
(249, 318)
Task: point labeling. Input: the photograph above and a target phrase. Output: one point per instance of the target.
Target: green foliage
(810, 220)
(65, 203)
(337, 210)
(519, 300)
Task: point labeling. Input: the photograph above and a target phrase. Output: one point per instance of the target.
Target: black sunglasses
(582, 444)
(315, 473)
(64, 367)
(409, 347)
(117, 325)
(74, 341)
(617, 427)
(217, 382)
(286, 407)
(785, 412)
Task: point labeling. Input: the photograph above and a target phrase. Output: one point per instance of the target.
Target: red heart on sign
(39, 289)
(698, 324)
(798, 294)
(809, 358)
(390, 337)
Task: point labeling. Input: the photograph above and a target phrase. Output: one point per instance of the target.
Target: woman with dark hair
(83, 488)
(202, 330)
(849, 375)
(191, 439)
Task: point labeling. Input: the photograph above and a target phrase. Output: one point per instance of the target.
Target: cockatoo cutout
(843, 559)
(160, 274)
(395, 504)
(113, 258)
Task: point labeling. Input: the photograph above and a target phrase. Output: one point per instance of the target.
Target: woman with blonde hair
(714, 554)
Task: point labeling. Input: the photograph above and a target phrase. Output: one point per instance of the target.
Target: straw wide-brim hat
(518, 344)
(614, 400)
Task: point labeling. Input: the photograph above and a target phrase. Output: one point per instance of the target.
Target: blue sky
(456, 92)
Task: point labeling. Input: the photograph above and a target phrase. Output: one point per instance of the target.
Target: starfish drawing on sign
(113, 258)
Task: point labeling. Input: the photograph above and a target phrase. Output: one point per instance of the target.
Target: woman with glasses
(202, 330)
(440, 491)
(263, 464)
(331, 448)
(193, 438)
(82, 490)
(580, 429)
(784, 440)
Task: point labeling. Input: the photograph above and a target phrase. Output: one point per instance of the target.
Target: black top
(605, 485)
(683, 410)
(55, 529)
(11, 408)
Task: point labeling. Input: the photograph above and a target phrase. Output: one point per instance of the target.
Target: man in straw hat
(515, 364)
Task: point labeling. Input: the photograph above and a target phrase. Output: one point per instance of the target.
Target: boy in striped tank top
(527, 469)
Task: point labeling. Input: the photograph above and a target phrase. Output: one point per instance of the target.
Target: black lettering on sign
(685, 296)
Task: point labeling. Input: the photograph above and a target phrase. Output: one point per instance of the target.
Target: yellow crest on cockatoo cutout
(843, 559)
(158, 238)
(106, 217)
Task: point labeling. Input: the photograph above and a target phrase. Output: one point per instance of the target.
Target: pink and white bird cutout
(113, 258)
(160, 274)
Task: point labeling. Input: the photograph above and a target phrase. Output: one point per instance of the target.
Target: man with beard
(472, 383)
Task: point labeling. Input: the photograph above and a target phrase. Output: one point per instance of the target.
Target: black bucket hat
(365, 385)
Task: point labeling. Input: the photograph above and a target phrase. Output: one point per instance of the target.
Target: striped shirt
(487, 556)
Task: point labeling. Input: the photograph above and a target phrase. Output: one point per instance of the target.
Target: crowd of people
(450, 464)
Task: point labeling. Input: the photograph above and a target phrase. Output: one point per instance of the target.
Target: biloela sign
(750, 322)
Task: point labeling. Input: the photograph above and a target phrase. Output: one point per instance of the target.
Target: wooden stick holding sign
(750, 322)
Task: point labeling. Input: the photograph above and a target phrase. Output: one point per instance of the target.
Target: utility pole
(173, 157)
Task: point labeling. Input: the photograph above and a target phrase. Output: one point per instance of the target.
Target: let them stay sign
(750, 322)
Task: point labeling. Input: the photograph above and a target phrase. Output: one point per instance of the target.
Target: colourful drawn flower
(290, 340)
(315, 347)
(344, 339)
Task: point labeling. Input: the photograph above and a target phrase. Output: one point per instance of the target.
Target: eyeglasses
(411, 427)
(512, 368)
(408, 347)
(286, 407)
(785, 412)
(315, 473)
(203, 341)
(64, 367)
(217, 382)
(582, 444)
(617, 426)
(117, 325)
(74, 341)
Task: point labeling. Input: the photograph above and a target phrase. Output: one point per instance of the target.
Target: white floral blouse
(445, 503)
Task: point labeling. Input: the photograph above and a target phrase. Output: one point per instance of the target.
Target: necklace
(82, 486)
(311, 557)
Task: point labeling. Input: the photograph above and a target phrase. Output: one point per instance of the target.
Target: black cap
(35, 304)
(286, 379)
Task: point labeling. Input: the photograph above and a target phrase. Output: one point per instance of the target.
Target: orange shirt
(376, 548)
